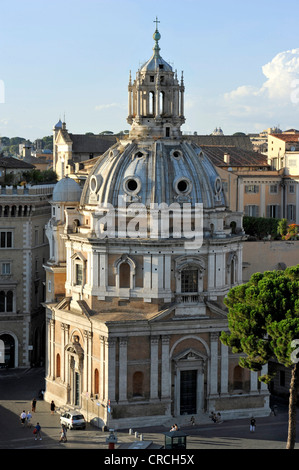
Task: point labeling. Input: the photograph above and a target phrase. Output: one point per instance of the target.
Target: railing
(189, 298)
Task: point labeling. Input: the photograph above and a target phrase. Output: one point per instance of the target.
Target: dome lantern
(156, 98)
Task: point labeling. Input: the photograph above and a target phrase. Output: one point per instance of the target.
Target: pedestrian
(252, 424)
(37, 432)
(192, 421)
(63, 434)
(23, 418)
(52, 407)
(28, 418)
(33, 404)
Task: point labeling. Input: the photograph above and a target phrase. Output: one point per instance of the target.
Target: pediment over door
(190, 356)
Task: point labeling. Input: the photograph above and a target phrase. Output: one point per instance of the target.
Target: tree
(282, 227)
(263, 323)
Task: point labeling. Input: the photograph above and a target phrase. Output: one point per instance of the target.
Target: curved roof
(58, 125)
(154, 172)
(156, 63)
(66, 190)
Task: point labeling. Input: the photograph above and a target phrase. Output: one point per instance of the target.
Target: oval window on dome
(132, 185)
(95, 183)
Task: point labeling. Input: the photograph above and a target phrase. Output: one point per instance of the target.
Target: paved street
(19, 387)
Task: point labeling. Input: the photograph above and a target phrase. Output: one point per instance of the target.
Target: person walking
(52, 407)
(37, 432)
(63, 434)
(23, 418)
(33, 405)
(252, 424)
(28, 419)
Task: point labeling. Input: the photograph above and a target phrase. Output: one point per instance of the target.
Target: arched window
(138, 384)
(58, 365)
(124, 275)
(151, 102)
(162, 102)
(96, 382)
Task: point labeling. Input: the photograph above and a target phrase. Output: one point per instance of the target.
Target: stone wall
(263, 256)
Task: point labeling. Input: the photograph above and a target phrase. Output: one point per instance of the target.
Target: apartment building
(24, 249)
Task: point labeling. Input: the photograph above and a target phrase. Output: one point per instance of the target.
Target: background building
(23, 250)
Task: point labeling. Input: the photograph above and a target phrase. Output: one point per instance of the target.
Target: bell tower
(156, 98)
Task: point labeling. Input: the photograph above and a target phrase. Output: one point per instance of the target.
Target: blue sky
(73, 58)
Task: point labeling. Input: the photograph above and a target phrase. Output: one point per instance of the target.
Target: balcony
(189, 298)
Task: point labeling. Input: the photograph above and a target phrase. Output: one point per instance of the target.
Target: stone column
(48, 348)
(102, 368)
(52, 348)
(214, 364)
(110, 369)
(62, 362)
(224, 368)
(85, 367)
(264, 371)
(165, 377)
(123, 345)
(253, 381)
(87, 361)
(154, 367)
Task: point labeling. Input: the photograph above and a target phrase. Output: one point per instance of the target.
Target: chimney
(227, 158)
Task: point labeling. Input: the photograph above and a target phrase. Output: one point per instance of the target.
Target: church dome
(154, 172)
(67, 190)
(155, 164)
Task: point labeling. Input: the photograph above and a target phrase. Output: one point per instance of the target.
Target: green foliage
(37, 176)
(260, 227)
(263, 318)
(282, 227)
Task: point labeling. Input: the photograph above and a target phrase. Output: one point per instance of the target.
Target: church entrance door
(188, 392)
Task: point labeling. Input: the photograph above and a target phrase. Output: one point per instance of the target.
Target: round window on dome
(183, 186)
(132, 185)
(176, 153)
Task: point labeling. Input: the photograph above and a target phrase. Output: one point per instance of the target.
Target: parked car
(73, 420)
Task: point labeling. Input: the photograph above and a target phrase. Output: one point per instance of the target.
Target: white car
(73, 420)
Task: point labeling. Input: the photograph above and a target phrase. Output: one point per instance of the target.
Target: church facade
(141, 259)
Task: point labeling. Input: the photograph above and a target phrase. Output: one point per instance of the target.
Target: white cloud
(273, 102)
(280, 73)
(107, 106)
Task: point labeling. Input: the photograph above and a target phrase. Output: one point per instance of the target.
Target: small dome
(156, 63)
(67, 190)
(58, 125)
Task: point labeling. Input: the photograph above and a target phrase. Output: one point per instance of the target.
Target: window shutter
(278, 212)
